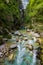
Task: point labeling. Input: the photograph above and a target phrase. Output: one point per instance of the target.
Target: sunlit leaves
(34, 9)
(7, 1)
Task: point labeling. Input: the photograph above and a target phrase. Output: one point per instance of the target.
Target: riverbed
(26, 51)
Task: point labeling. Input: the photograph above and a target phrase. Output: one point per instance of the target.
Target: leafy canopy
(34, 10)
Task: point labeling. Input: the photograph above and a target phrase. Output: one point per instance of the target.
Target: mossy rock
(36, 44)
(42, 51)
(42, 40)
(11, 57)
(1, 60)
(41, 57)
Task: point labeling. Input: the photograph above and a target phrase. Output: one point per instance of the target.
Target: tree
(34, 11)
(9, 13)
(10, 18)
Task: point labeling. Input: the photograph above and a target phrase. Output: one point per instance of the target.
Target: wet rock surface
(29, 46)
(25, 38)
(24, 46)
(14, 46)
(28, 30)
(36, 35)
(41, 34)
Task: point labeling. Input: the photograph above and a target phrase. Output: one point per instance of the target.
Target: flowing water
(24, 2)
(34, 58)
(23, 57)
(21, 52)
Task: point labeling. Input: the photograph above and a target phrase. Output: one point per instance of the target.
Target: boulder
(39, 41)
(17, 33)
(32, 32)
(28, 30)
(2, 47)
(13, 46)
(30, 47)
(41, 34)
(24, 35)
(25, 38)
(17, 39)
(36, 35)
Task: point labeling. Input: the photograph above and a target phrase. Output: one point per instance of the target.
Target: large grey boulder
(25, 35)
(2, 46)
(13, 46)
(36, 35)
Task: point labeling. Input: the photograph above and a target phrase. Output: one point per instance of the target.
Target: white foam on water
(21, 53)
(34, 58)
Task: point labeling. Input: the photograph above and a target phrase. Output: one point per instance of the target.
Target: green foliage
(10, 17)
(9, 13)
(34, 11)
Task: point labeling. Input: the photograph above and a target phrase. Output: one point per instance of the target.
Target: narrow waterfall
(24, 3)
